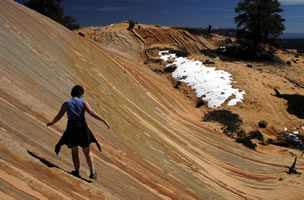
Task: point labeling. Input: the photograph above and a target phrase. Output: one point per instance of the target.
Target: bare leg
(75, 158)
(89, 157)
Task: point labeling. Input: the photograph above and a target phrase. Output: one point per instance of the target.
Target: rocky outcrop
(157, 147)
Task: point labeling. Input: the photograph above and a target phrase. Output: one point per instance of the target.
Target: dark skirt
(77, 133)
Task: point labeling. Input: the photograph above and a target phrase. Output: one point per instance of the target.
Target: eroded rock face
(157, 147)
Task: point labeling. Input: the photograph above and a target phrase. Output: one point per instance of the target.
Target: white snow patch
(213, 86)
(296, 132)
(293, 137)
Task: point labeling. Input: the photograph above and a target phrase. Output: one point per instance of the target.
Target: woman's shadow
(51, 165)
(295, 103)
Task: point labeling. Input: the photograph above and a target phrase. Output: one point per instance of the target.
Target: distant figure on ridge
(77, 132)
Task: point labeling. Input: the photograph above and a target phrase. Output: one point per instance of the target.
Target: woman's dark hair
(77, 91)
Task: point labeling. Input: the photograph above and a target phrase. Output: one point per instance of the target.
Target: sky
(189, 13)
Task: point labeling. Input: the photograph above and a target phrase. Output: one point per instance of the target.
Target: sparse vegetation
(53, 10)
(234, 52)
(181, 52)
(209, 28)
(246, 141)
(131, 24)
(231, 121)
(170, 69)
(200, 102)
(209, 52)
(256, 135)
(259, 26)
(152, 60)
(226, 43)
(286, 139)
(295, 103)
(262, 124)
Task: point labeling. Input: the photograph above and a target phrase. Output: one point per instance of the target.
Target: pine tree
(53, 10)
(259, 25)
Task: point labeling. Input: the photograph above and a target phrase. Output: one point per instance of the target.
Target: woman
(77, 132)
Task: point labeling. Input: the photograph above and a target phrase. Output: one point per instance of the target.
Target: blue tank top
(75, 108)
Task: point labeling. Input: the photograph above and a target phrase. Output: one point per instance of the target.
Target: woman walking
(77, 132)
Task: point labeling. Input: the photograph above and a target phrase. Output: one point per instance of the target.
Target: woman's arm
(94, 114)
(58, 116)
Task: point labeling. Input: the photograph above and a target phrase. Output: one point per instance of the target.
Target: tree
(53, 10)
(69, 22)
(131, 24)
(259, 25)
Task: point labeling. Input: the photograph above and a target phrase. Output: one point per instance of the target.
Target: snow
(294, 137)
(213, 86)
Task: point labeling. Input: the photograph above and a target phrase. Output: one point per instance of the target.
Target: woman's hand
(106, 123)
(58, 116)
(94, 114)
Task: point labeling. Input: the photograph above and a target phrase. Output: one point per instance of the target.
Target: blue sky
(190, 13)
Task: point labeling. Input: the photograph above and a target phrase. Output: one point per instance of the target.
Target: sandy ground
(258, 81)
(157, 147)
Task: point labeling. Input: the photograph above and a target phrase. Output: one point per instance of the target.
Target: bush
(236, 52)
(170, 69)
(231, 121)
(246, 141)
(226, 42)
(131, 24)
(209, 52)
(200, 102)
(181, 52)
(262, 124)
(151, 60)
(289, 140)
(256, 135)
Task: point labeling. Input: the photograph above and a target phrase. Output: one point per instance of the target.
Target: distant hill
(297, 44)
(230, 32)
(293, 41)
(290, 40)
(158, 146)
(292, 36)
